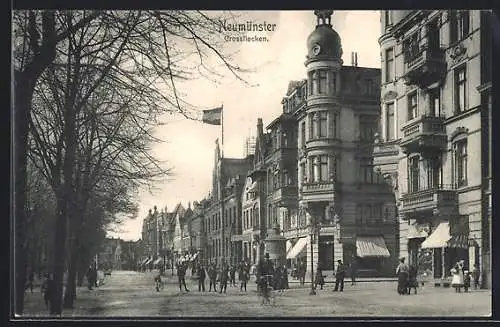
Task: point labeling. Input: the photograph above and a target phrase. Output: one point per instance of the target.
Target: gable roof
(233, 167)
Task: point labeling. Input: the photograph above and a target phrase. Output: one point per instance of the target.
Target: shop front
(372, 256)
(417, 233)
(297, 251)
(448, 246)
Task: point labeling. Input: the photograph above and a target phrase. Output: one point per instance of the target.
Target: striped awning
(144, 261)
(461, 241)
(439, 237)
(148, 262)
(157, 261)
(194, 256)
(298, 248)
(371, 246)
(289, 245)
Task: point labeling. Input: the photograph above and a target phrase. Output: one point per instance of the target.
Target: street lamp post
(313, 290)
(172, 256)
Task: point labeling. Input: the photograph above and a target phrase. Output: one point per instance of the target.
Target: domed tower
(324, 53)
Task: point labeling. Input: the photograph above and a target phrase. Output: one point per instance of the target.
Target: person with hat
(339, 276)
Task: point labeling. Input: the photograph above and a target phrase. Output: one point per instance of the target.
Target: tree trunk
(64, 201)
(70, 294)
(22, 106)
(59, 256)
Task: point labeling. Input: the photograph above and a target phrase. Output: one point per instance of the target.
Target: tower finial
(323, 17)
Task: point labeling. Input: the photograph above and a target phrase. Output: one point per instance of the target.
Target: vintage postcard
(251, 164)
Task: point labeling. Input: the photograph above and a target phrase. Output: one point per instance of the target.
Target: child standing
(467, 280)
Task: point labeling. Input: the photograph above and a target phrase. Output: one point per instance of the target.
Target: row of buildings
(362, 164)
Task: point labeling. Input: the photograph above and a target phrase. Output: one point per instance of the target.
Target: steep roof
(232, 167)
(292, 85)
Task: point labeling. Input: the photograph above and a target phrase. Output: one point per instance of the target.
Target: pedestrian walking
(284, 278)
(201, 278)
(319, 280)
(90, 279)
(339, 276)
(158, 283)
(232, 276)
(302, 273)
(475, 275)
(212, 275)
(31, 278)
(48, 289)
(402, 271)
(181, 276)
(354, 270)
(412, 279)
(223, 277)
(244, 275)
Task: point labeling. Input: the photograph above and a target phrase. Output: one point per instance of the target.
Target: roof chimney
(355, 59)
(352, 58)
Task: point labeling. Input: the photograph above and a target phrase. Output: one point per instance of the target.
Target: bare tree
(137, 57)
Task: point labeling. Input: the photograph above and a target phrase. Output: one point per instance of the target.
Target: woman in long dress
(457, 280)
(402, 272)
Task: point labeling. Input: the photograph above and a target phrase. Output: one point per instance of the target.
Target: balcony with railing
(424, 65)
(318, 191)
(285, 192)
(424, 132)
(385, 148)
(442, 199)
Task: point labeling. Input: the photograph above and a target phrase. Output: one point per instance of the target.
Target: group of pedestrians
(464, 278)
(218, 276)
(461, 278)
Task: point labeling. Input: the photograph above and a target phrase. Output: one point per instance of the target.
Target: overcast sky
(188, 146)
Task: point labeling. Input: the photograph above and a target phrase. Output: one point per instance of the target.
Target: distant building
(223, 212)
(109, 257)
(435, 142)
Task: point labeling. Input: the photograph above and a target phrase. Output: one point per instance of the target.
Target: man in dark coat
(90, 277)
(223, 277)
(48, 289)
(339, 276)
(244, 275)
(354, 270)
(181, 275)
(232, 274)
(212, 276)
(201, 278)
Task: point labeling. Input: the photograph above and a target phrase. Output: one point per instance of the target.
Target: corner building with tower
(345, 208)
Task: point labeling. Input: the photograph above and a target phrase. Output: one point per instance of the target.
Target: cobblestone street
(131, 294)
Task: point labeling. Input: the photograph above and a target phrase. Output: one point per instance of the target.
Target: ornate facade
(344, 203)
(436, 133)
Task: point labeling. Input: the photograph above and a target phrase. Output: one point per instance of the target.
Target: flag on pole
(212, 116)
